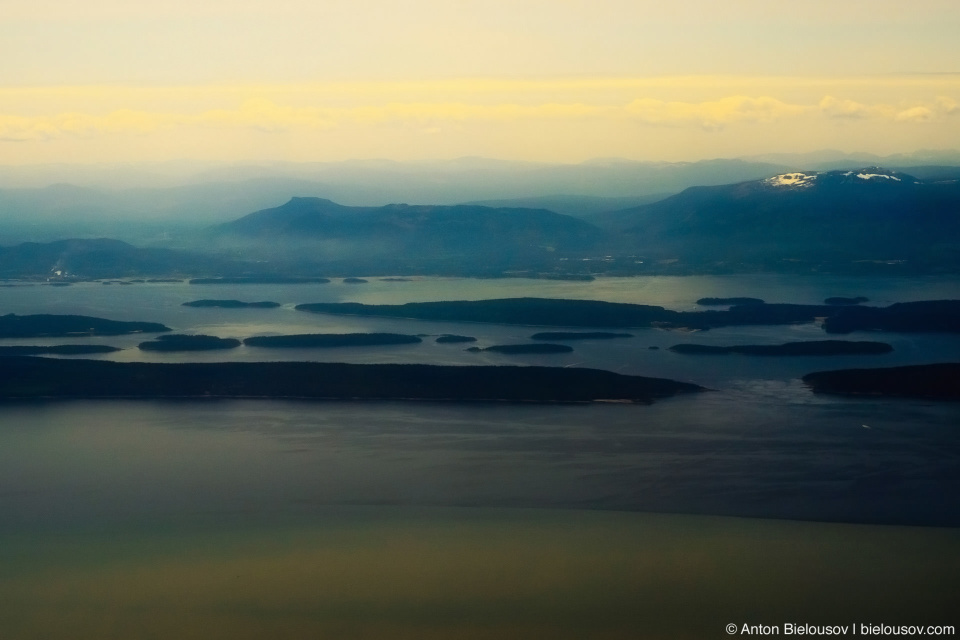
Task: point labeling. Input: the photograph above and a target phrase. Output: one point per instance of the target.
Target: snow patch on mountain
(796, 179)
(870, 176)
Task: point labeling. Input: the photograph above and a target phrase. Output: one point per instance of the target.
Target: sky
(534, 80)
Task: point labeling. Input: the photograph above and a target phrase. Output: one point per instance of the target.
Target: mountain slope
(322, 231)
(870, 214)
(101, 258)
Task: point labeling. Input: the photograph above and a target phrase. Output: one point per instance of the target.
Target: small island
(839, 301)
(516, 349)
(26, 377)
(232, 304)
(928, 381)
(451, 339)
(260, 280)
(808, 348)
(578, 335)
(57, 349)
(182, 342)
(354, 281)
(720, 302)
(330, 340)
(61, 326)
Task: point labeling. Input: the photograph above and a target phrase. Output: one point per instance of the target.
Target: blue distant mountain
(873, 215)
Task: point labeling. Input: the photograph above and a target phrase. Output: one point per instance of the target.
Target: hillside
(405, 237)
(101, 258)
(871, 216)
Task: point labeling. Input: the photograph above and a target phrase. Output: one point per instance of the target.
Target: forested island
(452, 339)
(926, 316)
(719, 302)
(931, 381)
(181, 342)
(807, 348)
(578, 335)
(838, 300)
(516, 349)
(232, 304)
(328, 340)
(939, 315)
(57, 349)
(27, 377)
(61, 326)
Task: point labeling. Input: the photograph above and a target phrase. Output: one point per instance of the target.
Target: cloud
(836, 108)
(947, 106)
(915, 114)
(714, 114)
(271, 116)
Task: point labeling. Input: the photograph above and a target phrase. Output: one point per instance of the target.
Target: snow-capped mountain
(868, 214)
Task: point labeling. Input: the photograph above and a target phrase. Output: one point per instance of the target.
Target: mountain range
(867, 219)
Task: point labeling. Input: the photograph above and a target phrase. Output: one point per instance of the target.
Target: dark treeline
(27, 377)
(933, 381)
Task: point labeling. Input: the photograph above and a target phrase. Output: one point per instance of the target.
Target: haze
(108, 81)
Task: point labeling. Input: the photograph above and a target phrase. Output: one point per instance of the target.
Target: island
(937, 315)
(232, 304)
(846, 301)
(60, 326)
(354, 281)
(926, 316)
(396, 279)
(182, 342)
(514, 349)
(719, 302)
(26, 377)
(807, 348)
(928, 381)
(57, 349)
(451, 339)
(260, 280)
(329, 340)
(578, 335)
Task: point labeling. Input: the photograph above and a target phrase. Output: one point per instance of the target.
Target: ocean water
(758, 502)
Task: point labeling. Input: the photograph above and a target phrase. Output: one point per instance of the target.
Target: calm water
(249, 519)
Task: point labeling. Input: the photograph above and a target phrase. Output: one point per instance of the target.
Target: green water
(387, 572)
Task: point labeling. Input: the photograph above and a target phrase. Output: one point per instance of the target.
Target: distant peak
(795, 179)
(876, 175)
